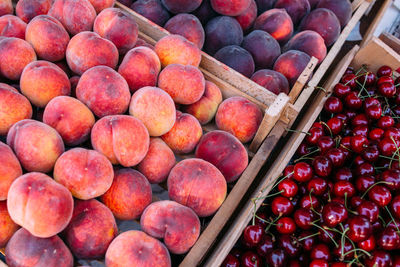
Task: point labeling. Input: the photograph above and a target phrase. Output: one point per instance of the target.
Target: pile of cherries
(338, 203)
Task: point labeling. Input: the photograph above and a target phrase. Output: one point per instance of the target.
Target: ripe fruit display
(337, 202)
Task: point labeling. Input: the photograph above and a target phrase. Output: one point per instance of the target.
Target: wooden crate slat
(302, 80)
(391, 41)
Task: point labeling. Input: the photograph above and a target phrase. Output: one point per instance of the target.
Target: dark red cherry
(363, 183)
(302, 172)
(343, 117)
(336, 156)
(339, 264)
(392, 132)
(286, 226)
(322, 166)
(359, 120)
(335, 125)
(343, 174)
(308, 201)
(359, 229)
(333, 105)
(341, 90)
(319, 263)
(252, 234)
(349, 70)
(281, 206)
(374, 112)
(303, 149)
(392, 179)
(370, 101)
(265, 246)
(355, 201)
(325, 143)
(277, 258)
(395, 204)
(296, 263)
(368, 244)
(364, 169)
(350, 114)
(389, 239)
(327, 235)
(334, 213)
(250, 259)
(387, 90)
(370, 154)
(307, 240)
(288, 171)
(314, 134)
(367, 79)
(343, 251)
(360, 130)
(379, 258)
(304, 218)
(384, 71)
(385, 122)
(353, 101)
(387, 146)
(341, 188)
(384, 79)
(369, 210)
(358, 160)
(376, 134)
(350, 80)
(380, 195)
(236, 252)
(320, 251)
(358, 143)
(288, 187)
(291, 247)
(317, 186)
(231, 261)
(261, 219)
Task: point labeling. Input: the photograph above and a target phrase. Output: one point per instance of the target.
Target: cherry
(376, 134)
(281, 206)
(343, 174)
(265, 246)
(320, 251)
(359, 229)
(335, 125)
(322, 166)
(384, 71)
(350, 80)
(370, 101)
(350, 114)
(396, 206)
(294, 263)
(327, 235)
(302, 172)
(355, 201)
(333, 105)
(341, 90)
(358, 160)
(236, 252)
(314, 134)
(370, 154)
(392, 179)
(307, 240)
(342, 250)
(325, 143)
(384, 79)
(385, 122)
(336, 156)
(349, 70)
(333, 213)
(230, 261)
(392, 132)
(367, 79)
(288, 187)
(303, 149)
(341, 188)
(286, 225)
(379, 258)
(317, 125)
(363, 183)
(393, 224)
(360, 130)
(304, 218)
(277, 258)
(368, 244)
(288, 171)
(261, 220)
(250, 259)
(252, 234)
(343, 117)
(317, 186)
(396, 261)
(389, 239)
(387, 147)
(364, 169)
(358, 143)
(359, 120)
(380, 195)
(308, 201)
(369, 210)
(374, 112)
(291, 247)
(319, 263)
(339, 264)
(387, 89)
(352, 101)
(377, 226)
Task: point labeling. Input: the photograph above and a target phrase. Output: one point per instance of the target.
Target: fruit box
(375, 54)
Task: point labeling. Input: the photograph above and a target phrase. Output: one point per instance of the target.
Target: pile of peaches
(269, 41)
(90, 117)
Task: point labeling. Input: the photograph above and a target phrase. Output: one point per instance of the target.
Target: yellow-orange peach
(87, 50)
(71, 118)
(104, 91)
(27, 250)
(129, 194)
(100, 5)
(198, 185)
(15, 54)
(155, 108)
(39, 204)
(13, 107)
(158, 162)
(12, 26)
(135, 248)
(185, 84)
(117, 26)
(7, 226)
(41, 81)
(122, 139)
(48, 37)
(175, 49)
(10, 169)
(240, 117)
(184, 135)
(6, 7)
(85, 173)
(140, 67)
(28, 9)
(91, 229)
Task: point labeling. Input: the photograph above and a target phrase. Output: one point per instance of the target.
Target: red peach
(12, 26)
(271, 80)
(100, 5)
(248, 17)
(152, 10)
(341, 8)
(10, 169)
(230, 8)
(7, 226)
(6, 7)
(291, 64)
(276, 22)
(28, 9)
(296, 9)
(309, 42)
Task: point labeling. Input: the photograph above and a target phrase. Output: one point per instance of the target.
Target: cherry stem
(363, 67)
(270, 195)
(345, 205)
(305, 156)
(326, 125)
(369, 188)
(303, 238)
(391, 217)
(326, 232)
(357, 249)
(295, 131)
(312, 207)
(321, 88)
(396, 152)
(276, 183)
(342, 240)
(363, 86)
(272, 223)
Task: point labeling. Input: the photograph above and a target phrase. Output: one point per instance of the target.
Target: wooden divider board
(392, 41)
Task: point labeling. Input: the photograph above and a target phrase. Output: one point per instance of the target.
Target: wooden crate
(375, 54)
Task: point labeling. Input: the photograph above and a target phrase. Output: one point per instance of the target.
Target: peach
(140, 67)
(117, 26)
(296, 9)
(155, 108)
(324, 22)
(7, 226)
(13, 107)
(230, 8)
(71, 118)
(220, 32)
(81, 19)
(24, 249)
(135, 248)
(28, 9)
(158, 162)
(225, 152)
(141, 42)
(205, 12)
(6, 7)
(276, 22)
(39, 204)
(272, 80)
(240, 117)
(152, 10)
(85, 173)
(15, 54)
(264, 5)
(91, 229)
(341, 8)
(36, 145)
(309, 42)
(122, 139)
(12, 26)
(188, 26)
(48, 37)
(263, 47)
(291, 64)
(64, 66)
(104, 91)
(178, 225)
(100, 5)
(203, 190)
(175, 49)
(181, 6)
(248, 17)
(10, 169)
(87, 50)
(204, 110)
(185, 84)
(129, 194)
(185, 134)
(237, 58)
(41, 81)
